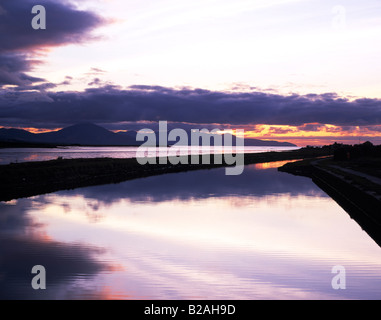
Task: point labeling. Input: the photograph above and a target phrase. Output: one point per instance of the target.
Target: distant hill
(86, 134)
(267, 143)
(233, 138)
(15, 135)
(89, 134)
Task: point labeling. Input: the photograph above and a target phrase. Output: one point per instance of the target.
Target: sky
(302, 71)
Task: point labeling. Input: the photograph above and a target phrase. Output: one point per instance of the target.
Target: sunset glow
(182, 150)
(316, 134)
(292, 70)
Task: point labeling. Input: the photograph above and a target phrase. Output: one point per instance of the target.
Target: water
(193, 235)
(8, 155)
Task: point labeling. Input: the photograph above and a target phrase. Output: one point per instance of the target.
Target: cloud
(111, 104)
(67, 81)
(13, 67)
(276, 130)
(19, 42)
(311, 127)
(96, 81)
(95, 71)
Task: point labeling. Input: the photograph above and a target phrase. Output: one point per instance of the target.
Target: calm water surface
(8, 155)
(196, 235)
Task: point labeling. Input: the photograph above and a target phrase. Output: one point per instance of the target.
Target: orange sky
(309, 134)
(316, 134)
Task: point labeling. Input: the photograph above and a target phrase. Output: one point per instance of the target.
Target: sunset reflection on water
(261, 235)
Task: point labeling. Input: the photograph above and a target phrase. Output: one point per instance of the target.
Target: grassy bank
(33, 178)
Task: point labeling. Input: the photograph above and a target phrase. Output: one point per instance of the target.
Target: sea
(200, 235)
(15, 155)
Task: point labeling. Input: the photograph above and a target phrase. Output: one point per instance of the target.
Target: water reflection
(26, 243)
(271, 165)
(202, 184)
(195, 235)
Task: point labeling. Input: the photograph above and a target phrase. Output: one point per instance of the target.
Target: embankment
(20, 180)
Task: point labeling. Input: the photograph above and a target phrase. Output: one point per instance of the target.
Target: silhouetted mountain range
(90, 134)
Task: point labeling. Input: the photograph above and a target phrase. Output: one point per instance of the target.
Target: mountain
(229, 138)
(93, 135)
(78, 134)
(85, 134)
(15, 135)
(267, 143)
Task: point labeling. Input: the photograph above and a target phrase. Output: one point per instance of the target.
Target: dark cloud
(67, 81)
(13, 66)
(279, 130)
(374, 128)
(311, 127)
(65, 25)
(96, 81)
(111, 104)
(154, 125)
(19, 41)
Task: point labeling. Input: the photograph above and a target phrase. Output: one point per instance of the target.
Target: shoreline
(26, 179)
(354, 192)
